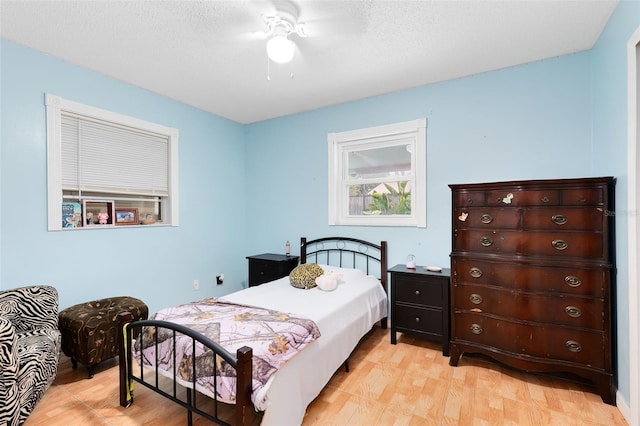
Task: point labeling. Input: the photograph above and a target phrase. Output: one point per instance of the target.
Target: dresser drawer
(531, 218)
(487, 218)
(470, 198)
(420, 319)
(555, 244)
(516, 197)
(540, 308)
(419, 290)
(506, 197)
(564, 219)
(577, 280)
(542, 341)
(583, 197)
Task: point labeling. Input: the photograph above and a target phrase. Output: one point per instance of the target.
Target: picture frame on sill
(71, 215)
(127, 217)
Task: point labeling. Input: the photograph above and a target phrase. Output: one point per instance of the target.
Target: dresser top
(541, 183)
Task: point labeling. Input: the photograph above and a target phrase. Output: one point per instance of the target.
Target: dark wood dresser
(420, 303)
(532, 273)
(270, 266)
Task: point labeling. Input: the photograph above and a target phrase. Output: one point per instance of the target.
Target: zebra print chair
(29, 349)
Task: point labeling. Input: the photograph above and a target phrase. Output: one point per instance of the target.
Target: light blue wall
(526, 122)
(155, 264)
(609, 64)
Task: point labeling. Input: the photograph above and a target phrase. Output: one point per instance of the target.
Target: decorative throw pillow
(329, 280)
(304, 276)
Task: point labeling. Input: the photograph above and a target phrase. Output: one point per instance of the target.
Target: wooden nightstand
(268, 267)
(420, 303)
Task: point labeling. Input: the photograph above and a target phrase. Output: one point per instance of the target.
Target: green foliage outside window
(395, 201)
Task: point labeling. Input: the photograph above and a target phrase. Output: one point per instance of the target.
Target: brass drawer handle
(559, 244)
(572, 281)
(476, 328)
(573, 311)
(486, 241)
(559, 219)
(417, 292)
(486, 218)
(544, 199)
(475, 272)
(573, 346)
(417, 319)
(476, 299)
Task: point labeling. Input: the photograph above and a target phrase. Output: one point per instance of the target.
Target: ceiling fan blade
(250, 35)
(335, 19)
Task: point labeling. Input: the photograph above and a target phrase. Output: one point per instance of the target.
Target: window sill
(111, 226)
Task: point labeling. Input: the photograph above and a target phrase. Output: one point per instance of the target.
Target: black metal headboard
(348, 253)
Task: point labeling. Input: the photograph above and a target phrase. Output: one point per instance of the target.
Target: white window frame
(55, 107)
(381, 136)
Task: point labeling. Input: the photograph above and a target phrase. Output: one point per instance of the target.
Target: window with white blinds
(112, 159)
(103, 157)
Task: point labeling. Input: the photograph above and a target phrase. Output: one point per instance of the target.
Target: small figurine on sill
(103, 217)
(89, 218)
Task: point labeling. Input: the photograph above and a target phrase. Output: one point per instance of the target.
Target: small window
(100, 163)
(377, 176)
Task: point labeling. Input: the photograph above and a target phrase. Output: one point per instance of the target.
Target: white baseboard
(624, 409)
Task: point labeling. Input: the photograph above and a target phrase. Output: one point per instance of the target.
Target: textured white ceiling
(210, 54)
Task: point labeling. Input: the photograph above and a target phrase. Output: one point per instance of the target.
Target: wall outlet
(196, 285)
(219, 279)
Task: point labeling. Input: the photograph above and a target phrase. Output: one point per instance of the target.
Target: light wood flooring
(410, 383)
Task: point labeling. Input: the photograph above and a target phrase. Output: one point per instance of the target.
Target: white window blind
(100, 156)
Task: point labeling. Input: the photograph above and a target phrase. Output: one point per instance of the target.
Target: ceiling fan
(280, 26)
(283, 31)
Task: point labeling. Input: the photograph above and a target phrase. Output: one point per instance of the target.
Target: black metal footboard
(241, 362)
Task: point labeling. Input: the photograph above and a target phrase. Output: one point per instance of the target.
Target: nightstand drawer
(418, 290)
(423, 320)
(264, 270)
(269, 267)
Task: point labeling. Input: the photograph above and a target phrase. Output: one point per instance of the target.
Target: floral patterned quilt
(275, 337)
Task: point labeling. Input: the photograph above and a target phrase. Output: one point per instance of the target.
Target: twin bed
(280, 348)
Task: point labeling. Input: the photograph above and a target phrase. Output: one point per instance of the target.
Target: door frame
(633, 197)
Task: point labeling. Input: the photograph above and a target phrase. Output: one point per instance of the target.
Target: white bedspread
(343, 317)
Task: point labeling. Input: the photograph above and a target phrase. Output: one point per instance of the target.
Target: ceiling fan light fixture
(280, 49)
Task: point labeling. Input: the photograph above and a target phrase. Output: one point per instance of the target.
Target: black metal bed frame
(354, 248)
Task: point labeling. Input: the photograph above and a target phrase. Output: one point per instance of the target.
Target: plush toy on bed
(329, 280)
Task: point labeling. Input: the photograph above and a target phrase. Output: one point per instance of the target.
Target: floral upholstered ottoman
(89, 330)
